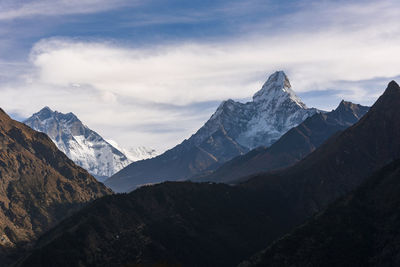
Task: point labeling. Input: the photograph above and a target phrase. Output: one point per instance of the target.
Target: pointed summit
(277, 81)
(46, 109)
(277, 88)
(389, 101)
(393, 88)
(345, 105)
(44, 113)
(348, 112)
(394, 83)
(279, 78)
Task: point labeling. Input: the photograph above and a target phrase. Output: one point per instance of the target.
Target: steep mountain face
(84, 146)
(361, 229)
(291, 147)
(39, 185)
(232, 130)
(274, 110)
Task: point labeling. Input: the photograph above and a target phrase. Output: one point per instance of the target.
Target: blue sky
(152, 72)
(140, 24)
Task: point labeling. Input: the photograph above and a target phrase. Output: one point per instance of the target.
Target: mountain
(84, 146)
(39, 185)
(361, 229)
(232, 130)
(207, 224)
(343, 162)
(135, 153)
(293, 146)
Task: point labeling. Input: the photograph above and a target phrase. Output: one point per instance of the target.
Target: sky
(150, 73)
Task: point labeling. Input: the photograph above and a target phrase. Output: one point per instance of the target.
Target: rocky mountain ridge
(293, 146)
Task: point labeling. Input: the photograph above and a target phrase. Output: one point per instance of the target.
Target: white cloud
(191, 72)
(123, 91)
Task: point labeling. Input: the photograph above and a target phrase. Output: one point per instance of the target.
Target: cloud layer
(157, 95)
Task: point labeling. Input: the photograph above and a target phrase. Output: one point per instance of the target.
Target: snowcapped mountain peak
(47, 113)
(279, 78)
(82, 145)
(44, 113)
(274, 110)
(45, 109)
(277, 89)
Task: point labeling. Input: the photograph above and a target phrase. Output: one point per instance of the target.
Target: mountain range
(207, 224)
(39, 186)
(293, 146)
(84, 146)
(234, 129)
(359, 229)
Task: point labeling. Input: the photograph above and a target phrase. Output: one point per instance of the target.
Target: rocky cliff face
(232, 130)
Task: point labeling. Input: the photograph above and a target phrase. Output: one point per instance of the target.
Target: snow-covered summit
(274, 110)
(276, 89)
(82, 145)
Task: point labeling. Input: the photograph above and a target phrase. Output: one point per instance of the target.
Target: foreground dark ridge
(361, 229)
(178, 223)
(219, 225)
(39, 185)
(292, 147)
